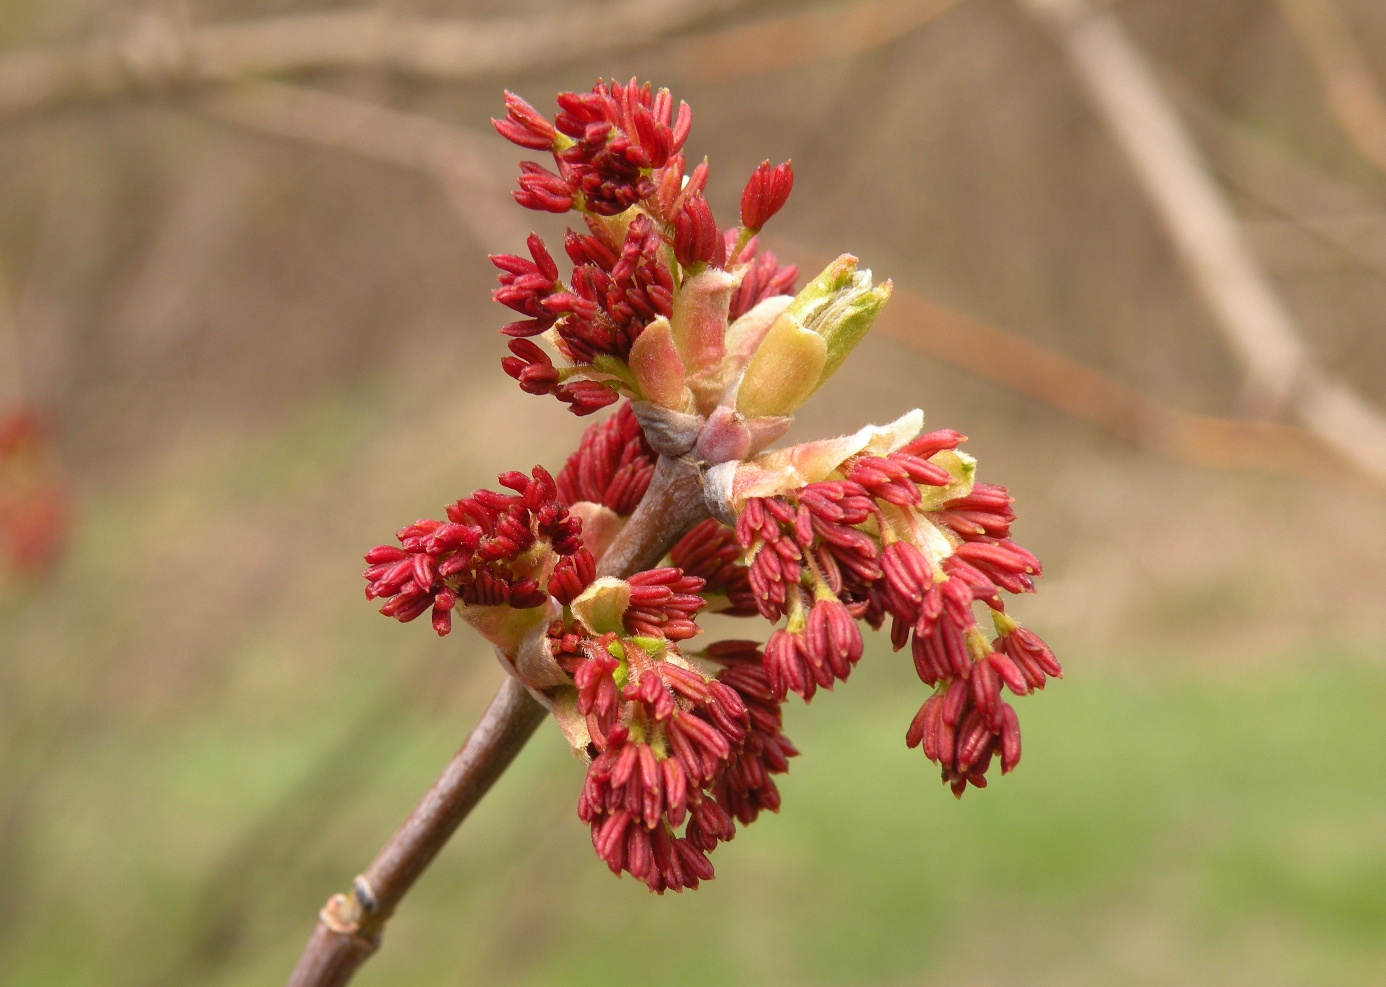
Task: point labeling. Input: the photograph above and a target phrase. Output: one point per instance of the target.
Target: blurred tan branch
(11, 372)
(456, 158)
(1084, 392)
(1089, 395)
(353, 126)
(158, 52)
(805, 37)
(1341, 66)
(1337, 214)
(1205, 232)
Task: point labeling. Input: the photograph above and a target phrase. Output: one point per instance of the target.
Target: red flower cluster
(711, 552)
(611, 140)
(763, 277)
(612, 466)
(478, 556)
(618, 156)
(672, 749)
(614, 292)
(864, 546)
(665, 307)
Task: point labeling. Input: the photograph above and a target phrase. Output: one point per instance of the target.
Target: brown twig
(350, 925)
(159, 52)
(1348, 85)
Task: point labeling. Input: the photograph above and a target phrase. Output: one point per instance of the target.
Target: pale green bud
(602, 605)
(810, 339)
(785, 370)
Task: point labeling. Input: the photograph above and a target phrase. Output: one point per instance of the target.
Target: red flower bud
(695, 233)
(765, 193)
(524, 125)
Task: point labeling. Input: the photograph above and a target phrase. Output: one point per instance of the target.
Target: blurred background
(246, 333)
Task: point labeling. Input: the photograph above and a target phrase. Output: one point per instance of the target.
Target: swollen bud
(811, 338)
(699, 326)
(765, 193)
(849, 320)
(695, 232)
(602, 605)
(525, 126)
(658, 368)
(784, 372)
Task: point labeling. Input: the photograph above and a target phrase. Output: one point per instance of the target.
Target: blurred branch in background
(158, 51)
(188, 247)
(1348, 85)
(1281, 373)
(1331, 211)
(808, 37)
(1087, 394)
(460, 161)
(11, 372)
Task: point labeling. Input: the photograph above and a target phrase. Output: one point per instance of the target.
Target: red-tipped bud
(524, 125)
(531, 366)
(1010, 738)
(765, 193)
(542, 190)
(586, 396)
(695, 233)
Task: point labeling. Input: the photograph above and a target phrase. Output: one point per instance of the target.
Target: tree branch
(810, 36)
(1089, 395)
(159, 52)
(1344, 75)
(1203, 228)
(673, 504)
(1127, 96)
(350, 925)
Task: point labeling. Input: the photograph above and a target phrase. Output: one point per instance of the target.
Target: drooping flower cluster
(564, 575)
(681, 750)
(899, 529)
